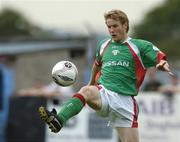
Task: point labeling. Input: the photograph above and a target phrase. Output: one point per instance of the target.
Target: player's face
(116, 29)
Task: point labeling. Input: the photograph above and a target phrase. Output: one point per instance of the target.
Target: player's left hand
(164, 66)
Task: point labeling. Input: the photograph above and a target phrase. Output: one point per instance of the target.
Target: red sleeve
(161, 56)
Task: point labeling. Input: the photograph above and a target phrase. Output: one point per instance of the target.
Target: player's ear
(125, 25)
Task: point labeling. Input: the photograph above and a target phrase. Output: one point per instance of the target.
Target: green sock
(70, 109)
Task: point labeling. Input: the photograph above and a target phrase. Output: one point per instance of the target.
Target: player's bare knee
(86, 92)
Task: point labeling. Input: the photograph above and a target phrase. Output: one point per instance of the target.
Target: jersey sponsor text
(116, 63)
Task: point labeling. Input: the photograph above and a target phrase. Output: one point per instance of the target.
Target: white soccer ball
(64, 73)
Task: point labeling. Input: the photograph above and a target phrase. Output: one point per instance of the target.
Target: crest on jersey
(115, 52)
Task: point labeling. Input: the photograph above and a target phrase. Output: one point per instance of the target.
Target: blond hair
(117, 15)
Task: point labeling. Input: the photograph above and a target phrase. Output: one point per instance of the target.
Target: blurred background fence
(158, 121)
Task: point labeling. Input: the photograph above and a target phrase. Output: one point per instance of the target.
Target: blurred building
(32, 59)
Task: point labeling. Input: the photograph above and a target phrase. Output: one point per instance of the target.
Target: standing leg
(128, 134)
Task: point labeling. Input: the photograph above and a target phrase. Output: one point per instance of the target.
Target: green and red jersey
(123, 65)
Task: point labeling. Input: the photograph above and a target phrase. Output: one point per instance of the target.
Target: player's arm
(95, 69)
(155, 57)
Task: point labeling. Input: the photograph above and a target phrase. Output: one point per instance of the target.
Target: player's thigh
(92, 97)
(128, 134)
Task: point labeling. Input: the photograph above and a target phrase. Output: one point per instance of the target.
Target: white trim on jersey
(136, 50)
(155, 48)
(103, 46)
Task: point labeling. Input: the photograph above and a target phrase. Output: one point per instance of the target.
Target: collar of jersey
(126, 40)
